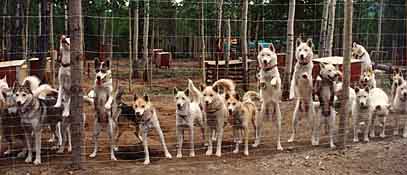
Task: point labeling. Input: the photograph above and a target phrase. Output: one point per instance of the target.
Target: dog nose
(206, 102)
(18, 103)
(179, 105)
(378, 108)
(265, 61)
(405, 94)
(98, 78)
(302, 57)
(137, 113)
(230, 111)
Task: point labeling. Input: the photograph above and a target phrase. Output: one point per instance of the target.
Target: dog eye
(135, 106)
(234, 104)
(183, 98)
(176, 98)
(97, 70)
(24, 95)
(142, 106)
(211, 95)
(204, 95)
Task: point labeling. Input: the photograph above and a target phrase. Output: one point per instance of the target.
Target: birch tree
(244, 43)
(379, 26)
(290, 47)
(324, 24)
(331, 28)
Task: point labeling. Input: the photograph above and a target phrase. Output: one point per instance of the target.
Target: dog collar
(65, 65)
(269, 67)
(303, 64)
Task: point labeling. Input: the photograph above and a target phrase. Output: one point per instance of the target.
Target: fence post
(75, 14)
(347, 52)
(244, 44)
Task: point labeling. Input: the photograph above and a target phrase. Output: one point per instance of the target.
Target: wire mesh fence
(184, 43)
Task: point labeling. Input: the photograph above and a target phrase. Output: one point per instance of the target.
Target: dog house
(15, 70)
(163, 59)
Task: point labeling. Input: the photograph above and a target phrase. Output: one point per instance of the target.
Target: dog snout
(404, 95)
(19, 103)
(265, 61)
(305, 76)
(98, 78)
(179, 106)
(378, 108)
(230, 111)
(138, 114)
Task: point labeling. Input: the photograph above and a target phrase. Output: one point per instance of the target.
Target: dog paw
(192, 154)
(37, 161)
(113, 157)
(28, 159)
(66, 113)
(7, 152)
(372, 135)
(246, 153)
(218, 154)
(404, 135)
(93, 155)
(235, 151)
(58, 105)
(256, 144)
(382, 135)
(60, 150)
(355, 140)
(52, 139)
(396, 133)
(20, 154)
(208, 153)
(280, 148)
(108, 106)
(168, 155)
(332, 145)
(146, 162)
(291, 139)
(366, 140)
(179, 155)
(116, 148)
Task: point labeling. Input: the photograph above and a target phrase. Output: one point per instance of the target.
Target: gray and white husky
(64, 76)
(33, 114)
(103, 100)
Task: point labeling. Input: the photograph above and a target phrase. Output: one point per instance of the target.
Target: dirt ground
(380, 156)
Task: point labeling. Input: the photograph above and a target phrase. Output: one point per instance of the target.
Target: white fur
(400, 108)
(378, 99)
(361, 53)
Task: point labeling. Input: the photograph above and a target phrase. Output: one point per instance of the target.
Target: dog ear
(367, 89)
(186, 92)
(310, 43)
(27, 86)
(322, 65)
(175, 91)
(135, 97)
(97, 62)
(357, 89)
(216, 89)
(227, 96)
(396, 70)
(259, 47)
(146, 98)
(354, 45)
(237, 96)
(298, 42)
(272, 48)
(107, 63)
(202, 87)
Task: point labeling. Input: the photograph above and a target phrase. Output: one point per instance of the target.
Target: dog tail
(227, 85)
(251, 96)
(43, 90)
(34, 82)
(194, 92)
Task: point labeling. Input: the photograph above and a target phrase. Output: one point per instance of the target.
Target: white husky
(301, 86)
(379, 107)
(400, 107)
(64, 76)
(359, 52)
(270, 91)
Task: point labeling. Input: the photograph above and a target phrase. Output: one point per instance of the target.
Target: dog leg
(28, 159)
(278, 115)
(220, 139)
(145, 143)
(332, 129)
(294, 122)
(383, 134)
(314, 127)
(210, 140)
(67, 109)
(396, 124)
(180, 137)
(259, 125)
(236, 139)
(162, 140)
(355, 124)
(246, 141)
(69, 139)
(96, 132)
(60, 91)
(109, 102)
(213, 135)
(372, 127)
(112, 139)
(192, 153)
(367, 128)
(405, 129)
(318, 120)
(37, 134)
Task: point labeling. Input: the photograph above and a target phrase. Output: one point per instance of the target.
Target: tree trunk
(229, 33)
(203, 40)
(66, 27)
(219, 36)
(290, 48)
(4, 30)
(152, 57)
(25, 31)
(347, 52)
(324, 24)
(104, 28)
(379, 26)
(135, 40)
(244, 44)
(331, 27)
(130, 49)
(145, 37)
(43, 41)
(52, 43)
(75, 13)
(111, 38)
(15, 41)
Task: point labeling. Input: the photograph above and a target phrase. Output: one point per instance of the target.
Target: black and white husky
(64, 76)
